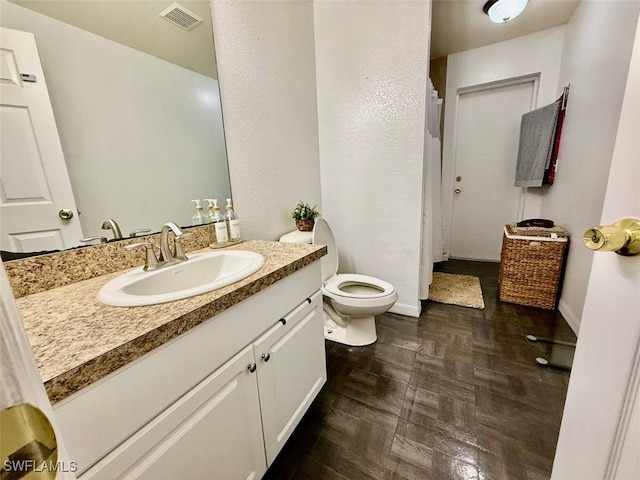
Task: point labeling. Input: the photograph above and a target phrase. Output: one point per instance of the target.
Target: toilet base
(354, 331)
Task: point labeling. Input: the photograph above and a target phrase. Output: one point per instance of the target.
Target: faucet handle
(151, 261)
(91, 239)
(177, 242)
(136, 232)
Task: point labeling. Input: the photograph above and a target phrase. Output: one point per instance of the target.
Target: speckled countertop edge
(76, 340)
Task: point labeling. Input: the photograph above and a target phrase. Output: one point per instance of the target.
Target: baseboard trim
(568, 315)
(469, 259)
(404, 309)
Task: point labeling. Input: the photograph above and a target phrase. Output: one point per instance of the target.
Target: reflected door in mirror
(33, 174)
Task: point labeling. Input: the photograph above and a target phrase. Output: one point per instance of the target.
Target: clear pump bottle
(233, 224)
(208, 217)
(219, 233)
(198, 218)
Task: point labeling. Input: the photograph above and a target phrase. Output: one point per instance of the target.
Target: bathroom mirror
(137, 107)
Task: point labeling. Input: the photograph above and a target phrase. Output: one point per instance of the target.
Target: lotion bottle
(219, 233)
(208, 217)
(198, 218)
(233, 224)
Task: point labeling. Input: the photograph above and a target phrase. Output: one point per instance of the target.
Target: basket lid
(553, 234)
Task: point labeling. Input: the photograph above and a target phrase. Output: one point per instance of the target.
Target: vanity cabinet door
(291, 371)
(212, 432)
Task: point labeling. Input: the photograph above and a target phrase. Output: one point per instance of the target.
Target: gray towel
(537, 134)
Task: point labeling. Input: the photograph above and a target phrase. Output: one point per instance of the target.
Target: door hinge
(28, 77)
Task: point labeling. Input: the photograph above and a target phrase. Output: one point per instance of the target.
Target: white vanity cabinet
(213, 431)
(290, 373)
(251, 375)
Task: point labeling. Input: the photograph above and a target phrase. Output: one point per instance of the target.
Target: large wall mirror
(137, 109)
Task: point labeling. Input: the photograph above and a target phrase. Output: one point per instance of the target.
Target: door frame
(450, 154)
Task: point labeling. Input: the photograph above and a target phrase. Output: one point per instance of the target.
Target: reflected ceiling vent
(180, 16)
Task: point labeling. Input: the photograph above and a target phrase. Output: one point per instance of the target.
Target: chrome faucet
(111, 224)
(166, 253)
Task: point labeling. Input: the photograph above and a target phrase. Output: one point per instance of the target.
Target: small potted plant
(304, 216)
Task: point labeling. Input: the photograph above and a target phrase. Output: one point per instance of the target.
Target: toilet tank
(297, 237)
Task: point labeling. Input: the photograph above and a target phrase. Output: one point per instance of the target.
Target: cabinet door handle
(266, 356)
(284, 322)
(252, 367)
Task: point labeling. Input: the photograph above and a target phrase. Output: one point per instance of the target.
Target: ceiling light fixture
(501, 11)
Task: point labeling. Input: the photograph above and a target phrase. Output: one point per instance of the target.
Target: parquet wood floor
(454, 394)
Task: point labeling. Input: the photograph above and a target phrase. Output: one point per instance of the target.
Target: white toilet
(351, 301)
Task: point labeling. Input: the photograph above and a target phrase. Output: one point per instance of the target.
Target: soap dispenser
(208, 217)
(219, 225)
(233, 224)
(198, 217)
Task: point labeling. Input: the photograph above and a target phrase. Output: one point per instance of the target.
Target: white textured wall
(595, 60)
(538, 52)
(266, 69)
(372, 64)
(141, 136)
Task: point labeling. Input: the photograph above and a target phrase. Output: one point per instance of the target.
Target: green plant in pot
(304, 215)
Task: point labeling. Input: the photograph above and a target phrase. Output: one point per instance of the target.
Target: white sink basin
(202, 273)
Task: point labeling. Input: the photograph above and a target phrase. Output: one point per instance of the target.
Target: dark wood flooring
(454, 394)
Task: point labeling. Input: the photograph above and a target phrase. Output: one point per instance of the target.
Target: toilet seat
(376, 288)
(351, 301)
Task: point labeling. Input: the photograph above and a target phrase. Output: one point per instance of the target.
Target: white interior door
(600, 432)
(34, 182)
(485, 153)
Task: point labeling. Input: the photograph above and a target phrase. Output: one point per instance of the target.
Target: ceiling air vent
(180, 16)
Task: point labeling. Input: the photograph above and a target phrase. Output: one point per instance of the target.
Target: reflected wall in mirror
(141, 135)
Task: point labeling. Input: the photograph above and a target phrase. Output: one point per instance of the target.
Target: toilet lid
(322, 235)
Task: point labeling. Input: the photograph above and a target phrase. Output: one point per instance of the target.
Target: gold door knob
(623, 237)
(65, 214)
(28, 443)
(458, 190)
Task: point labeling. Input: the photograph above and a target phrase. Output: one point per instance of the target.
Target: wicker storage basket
(531, 265)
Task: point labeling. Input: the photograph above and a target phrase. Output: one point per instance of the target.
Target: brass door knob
(623, 237)
(458, 190)
(27, 442)
(65, 214)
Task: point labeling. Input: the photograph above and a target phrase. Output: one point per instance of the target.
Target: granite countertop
(77, 340)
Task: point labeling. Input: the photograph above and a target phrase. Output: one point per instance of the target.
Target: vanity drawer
(100, 417)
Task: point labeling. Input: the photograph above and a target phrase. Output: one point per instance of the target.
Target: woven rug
(463, 290)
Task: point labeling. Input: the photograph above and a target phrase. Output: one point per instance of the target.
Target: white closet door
(486, 149)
